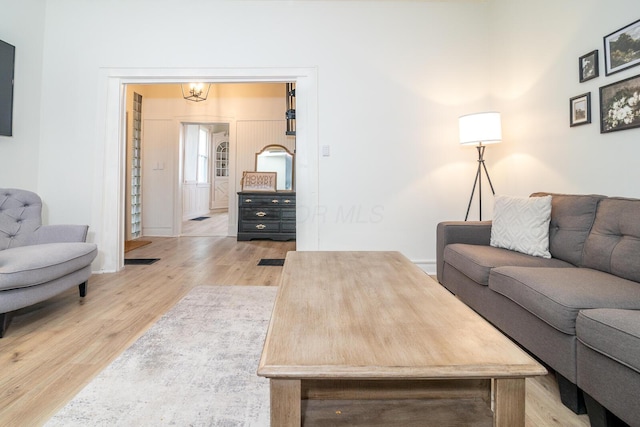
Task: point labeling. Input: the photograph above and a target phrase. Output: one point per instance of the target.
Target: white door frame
(109, 177)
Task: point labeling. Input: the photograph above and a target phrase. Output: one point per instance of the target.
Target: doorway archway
(109, 186)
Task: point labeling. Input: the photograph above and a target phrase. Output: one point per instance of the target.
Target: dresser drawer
(288, 227)
(257, 213)
(266, 200)
(288, 214)
(287, 200)
(260, 226)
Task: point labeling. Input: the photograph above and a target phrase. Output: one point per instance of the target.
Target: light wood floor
(216, 225)
(51, 350)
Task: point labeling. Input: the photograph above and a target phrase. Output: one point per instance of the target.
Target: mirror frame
(293, 162)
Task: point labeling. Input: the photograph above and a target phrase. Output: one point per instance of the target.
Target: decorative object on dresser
(259, 181)
(267, 215)
(277, 158)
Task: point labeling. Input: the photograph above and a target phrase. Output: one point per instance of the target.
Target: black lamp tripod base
(478, 182)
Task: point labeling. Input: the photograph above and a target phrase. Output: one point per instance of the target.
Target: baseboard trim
(428, 265)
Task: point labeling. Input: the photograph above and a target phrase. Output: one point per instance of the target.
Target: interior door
(220, 193)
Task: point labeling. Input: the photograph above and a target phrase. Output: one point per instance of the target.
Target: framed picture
(259, 181)
(620, 105)
(580, 113)
(588, 66)
(622, 49)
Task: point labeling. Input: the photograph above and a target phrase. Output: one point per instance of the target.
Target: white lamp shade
(484, 128)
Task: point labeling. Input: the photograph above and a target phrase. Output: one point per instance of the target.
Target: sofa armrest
(470, 232)
(60, 233)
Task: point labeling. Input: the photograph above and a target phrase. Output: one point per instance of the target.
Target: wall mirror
(276, 158)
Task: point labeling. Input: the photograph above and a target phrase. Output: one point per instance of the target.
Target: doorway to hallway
(111, 137)
(204, 178)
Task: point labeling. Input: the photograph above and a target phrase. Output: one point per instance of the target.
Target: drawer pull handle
(261, 226)
(261, 214)
(275, 201)
(287, 201)
(248, 200)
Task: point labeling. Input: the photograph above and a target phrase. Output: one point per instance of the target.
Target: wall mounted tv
(7, 63)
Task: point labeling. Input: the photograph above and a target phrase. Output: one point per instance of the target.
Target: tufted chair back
(20, 217)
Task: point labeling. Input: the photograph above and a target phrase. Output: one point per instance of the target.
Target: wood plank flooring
(53, 349)
(216, 225)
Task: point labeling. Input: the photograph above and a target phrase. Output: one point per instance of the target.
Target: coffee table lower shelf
(442, 402)
(399, 412)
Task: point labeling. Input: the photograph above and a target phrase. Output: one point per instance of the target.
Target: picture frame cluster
(619, 101)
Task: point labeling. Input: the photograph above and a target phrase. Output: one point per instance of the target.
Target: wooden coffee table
(367, 338)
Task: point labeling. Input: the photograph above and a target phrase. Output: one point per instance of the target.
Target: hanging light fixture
(195, 91)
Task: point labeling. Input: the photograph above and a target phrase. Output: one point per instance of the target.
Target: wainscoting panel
(158, 176)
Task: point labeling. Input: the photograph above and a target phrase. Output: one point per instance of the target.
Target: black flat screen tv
(7, 65)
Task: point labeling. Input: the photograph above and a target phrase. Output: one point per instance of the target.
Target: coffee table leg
(285, 403)
(509, 395)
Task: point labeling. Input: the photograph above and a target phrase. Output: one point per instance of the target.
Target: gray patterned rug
(195, 367)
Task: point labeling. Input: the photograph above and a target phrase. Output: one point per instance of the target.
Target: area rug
(195, 367)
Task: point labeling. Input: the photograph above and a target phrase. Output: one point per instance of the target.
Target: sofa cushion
(476, 261)
(612, 333)
(614, 242)
(556, 295)
(572, 217)
(32, 265)
(522, 224)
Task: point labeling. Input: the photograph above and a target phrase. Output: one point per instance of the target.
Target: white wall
(393, 77)
(535, 51)
(22, 25)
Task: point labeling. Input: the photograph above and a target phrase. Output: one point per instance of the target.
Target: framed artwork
(588, 66)
(620, 105)
(259, 181)
(622, 49)
(580, 113)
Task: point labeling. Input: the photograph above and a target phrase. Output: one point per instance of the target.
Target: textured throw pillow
(522, 224)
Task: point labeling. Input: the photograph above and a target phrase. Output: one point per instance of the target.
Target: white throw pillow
(522, 224)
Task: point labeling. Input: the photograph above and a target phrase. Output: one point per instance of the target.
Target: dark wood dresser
(267, 215)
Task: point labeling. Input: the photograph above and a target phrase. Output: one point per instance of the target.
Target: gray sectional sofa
(577, 311)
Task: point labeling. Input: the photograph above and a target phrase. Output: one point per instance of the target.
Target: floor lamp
(478, 129)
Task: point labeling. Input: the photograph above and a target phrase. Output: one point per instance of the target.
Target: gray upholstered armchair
(37, 261)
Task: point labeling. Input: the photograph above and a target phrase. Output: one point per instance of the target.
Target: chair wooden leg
(83, 289)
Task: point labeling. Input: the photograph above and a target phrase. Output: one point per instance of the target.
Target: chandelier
(195, 91)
